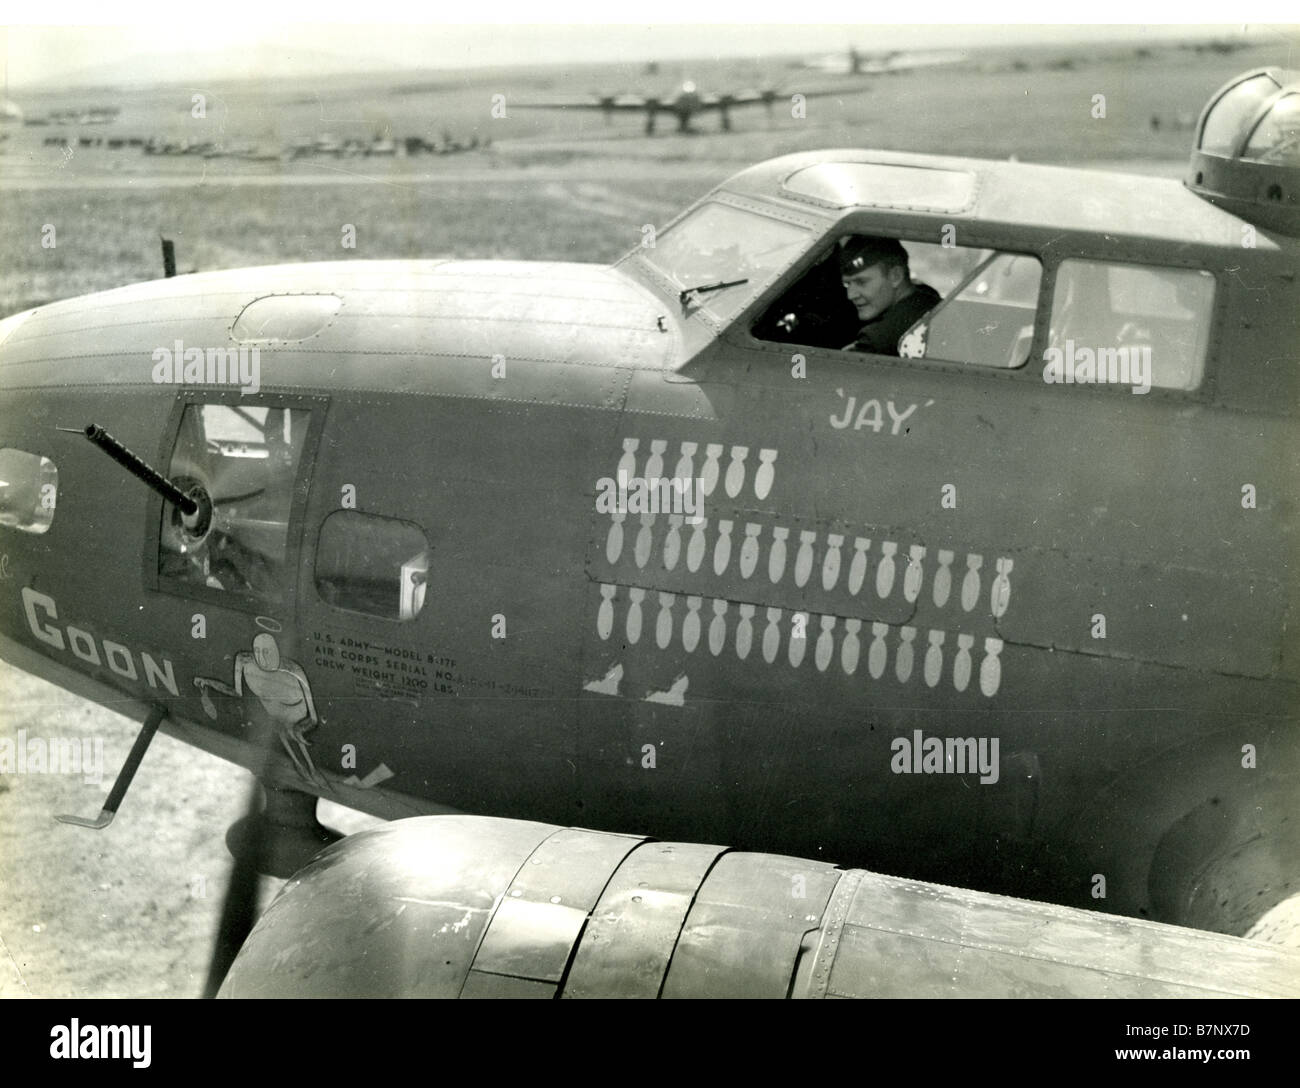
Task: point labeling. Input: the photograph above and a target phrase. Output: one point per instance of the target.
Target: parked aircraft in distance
(684, 105)
(857, 63)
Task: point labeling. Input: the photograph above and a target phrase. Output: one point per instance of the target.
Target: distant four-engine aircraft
(685, 104)
(689, 100)
(857, 63)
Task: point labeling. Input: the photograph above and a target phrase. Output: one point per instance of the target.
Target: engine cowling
(469, 906)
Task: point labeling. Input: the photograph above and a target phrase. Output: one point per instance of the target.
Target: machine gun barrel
(140, 470)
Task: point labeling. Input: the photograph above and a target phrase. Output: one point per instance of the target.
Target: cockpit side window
(246, 460)
(1129, 324)
(987, 319)
(887, 296)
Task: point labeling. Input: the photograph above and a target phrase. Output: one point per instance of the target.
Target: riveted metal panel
(396, 911)
(631, 935)
(398, 326)
(815, 971)
(530, 939)
(481, 984)
(909, 939)
(884, 185)
(742, 937)
(533, 931)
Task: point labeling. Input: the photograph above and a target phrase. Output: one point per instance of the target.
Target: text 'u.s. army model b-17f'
(924, 514)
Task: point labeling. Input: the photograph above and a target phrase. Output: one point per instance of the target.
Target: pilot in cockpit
(875, 275)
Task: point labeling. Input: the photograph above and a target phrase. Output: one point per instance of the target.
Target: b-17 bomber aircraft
(859, 63)
(927, 515)
(685, 104)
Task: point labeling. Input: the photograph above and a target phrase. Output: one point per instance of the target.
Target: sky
(233, 40)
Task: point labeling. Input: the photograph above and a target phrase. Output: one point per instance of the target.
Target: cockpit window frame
(960, 287)
(286, 602)
(1047, 250)
(662, 284)
(1206, 375)
(741, 327)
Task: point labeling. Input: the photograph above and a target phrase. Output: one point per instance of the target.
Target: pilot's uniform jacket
(880, 335)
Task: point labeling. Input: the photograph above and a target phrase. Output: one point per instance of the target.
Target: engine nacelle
(471, 906)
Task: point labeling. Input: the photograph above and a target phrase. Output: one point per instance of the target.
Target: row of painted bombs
(886, 569)
(800, 637)
(733, 481)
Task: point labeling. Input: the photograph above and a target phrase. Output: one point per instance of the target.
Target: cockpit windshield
(720, 257)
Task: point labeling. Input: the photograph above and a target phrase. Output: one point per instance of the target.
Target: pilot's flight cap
(861, 251)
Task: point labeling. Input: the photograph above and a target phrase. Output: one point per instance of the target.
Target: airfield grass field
(131, 911)
(110, 237)
(560, 185)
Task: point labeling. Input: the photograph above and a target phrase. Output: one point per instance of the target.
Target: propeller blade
(239, 909)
